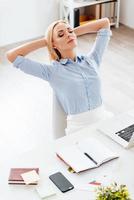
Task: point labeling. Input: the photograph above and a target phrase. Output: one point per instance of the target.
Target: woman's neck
(69, 55)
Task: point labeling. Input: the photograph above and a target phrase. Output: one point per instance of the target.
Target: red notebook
(15, 175)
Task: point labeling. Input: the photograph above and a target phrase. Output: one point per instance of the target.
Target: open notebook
(87, 154)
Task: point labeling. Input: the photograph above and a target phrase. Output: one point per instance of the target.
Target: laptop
(120, 128)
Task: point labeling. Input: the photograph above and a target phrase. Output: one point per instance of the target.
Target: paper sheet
(46, 189)
(30, 177)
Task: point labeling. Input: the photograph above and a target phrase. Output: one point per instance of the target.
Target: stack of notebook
(16, 175)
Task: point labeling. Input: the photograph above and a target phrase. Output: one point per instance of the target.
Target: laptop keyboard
(126, 133)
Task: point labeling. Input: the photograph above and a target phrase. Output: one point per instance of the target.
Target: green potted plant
(112, 192)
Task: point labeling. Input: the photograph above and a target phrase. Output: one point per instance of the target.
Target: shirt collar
(67, 60)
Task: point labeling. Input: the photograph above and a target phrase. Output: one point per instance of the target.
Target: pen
(91, 158)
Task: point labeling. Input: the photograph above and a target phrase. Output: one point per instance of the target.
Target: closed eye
(61, 35)
(61, 32)
(70, 30)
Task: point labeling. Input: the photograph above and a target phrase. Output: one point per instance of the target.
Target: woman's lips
(71, 40)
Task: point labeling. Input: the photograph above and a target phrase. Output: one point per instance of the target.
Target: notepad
(87, 154)
(30, 177)
(46, 189)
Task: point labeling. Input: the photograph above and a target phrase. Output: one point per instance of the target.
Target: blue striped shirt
(76, 83)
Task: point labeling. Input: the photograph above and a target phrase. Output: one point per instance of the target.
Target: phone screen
(61, 182)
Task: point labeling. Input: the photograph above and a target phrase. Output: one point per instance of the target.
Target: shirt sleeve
(34, 68)
(100, 44)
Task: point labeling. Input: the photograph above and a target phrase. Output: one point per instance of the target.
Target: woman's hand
(93, 26)
(25, 49)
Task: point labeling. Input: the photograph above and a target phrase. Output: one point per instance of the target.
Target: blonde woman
(74, 79)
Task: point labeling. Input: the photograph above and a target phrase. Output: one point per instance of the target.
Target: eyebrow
(60, 31)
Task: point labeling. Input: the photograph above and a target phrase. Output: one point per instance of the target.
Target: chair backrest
(59, 119)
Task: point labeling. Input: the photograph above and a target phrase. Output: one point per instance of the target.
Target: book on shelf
(97, 11)
(16, 178)
(112, 12)
(86, 154)
(76, 17)
(103, 10)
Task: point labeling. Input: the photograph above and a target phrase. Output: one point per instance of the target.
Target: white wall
(127, 12)
(25, 19)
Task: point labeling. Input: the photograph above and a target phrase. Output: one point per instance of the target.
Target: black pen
(91, 158)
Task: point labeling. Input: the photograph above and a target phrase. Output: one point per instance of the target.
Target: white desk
(44, 157)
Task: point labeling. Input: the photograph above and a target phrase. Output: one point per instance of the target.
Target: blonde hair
(54, 54)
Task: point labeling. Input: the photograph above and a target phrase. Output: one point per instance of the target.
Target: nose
(68, 34)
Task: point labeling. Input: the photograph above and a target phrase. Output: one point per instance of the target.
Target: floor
(26, 101)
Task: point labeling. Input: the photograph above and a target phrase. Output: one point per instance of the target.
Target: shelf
(68, 7)
(75, 4)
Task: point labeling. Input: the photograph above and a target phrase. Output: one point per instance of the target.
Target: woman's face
(64, 38)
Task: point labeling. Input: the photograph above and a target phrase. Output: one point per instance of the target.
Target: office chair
(58, 119)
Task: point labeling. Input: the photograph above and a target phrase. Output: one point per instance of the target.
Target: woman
(74, 79)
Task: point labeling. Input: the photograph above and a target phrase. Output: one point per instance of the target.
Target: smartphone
(61, 182)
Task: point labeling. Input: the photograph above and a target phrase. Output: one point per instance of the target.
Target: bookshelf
(78, 12)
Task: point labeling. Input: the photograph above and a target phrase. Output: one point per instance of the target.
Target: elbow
(106, 23)
(10, 56)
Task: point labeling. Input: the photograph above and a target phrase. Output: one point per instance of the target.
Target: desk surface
(120, 170)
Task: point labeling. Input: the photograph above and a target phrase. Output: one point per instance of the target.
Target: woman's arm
(92, 26)
(24, 49)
